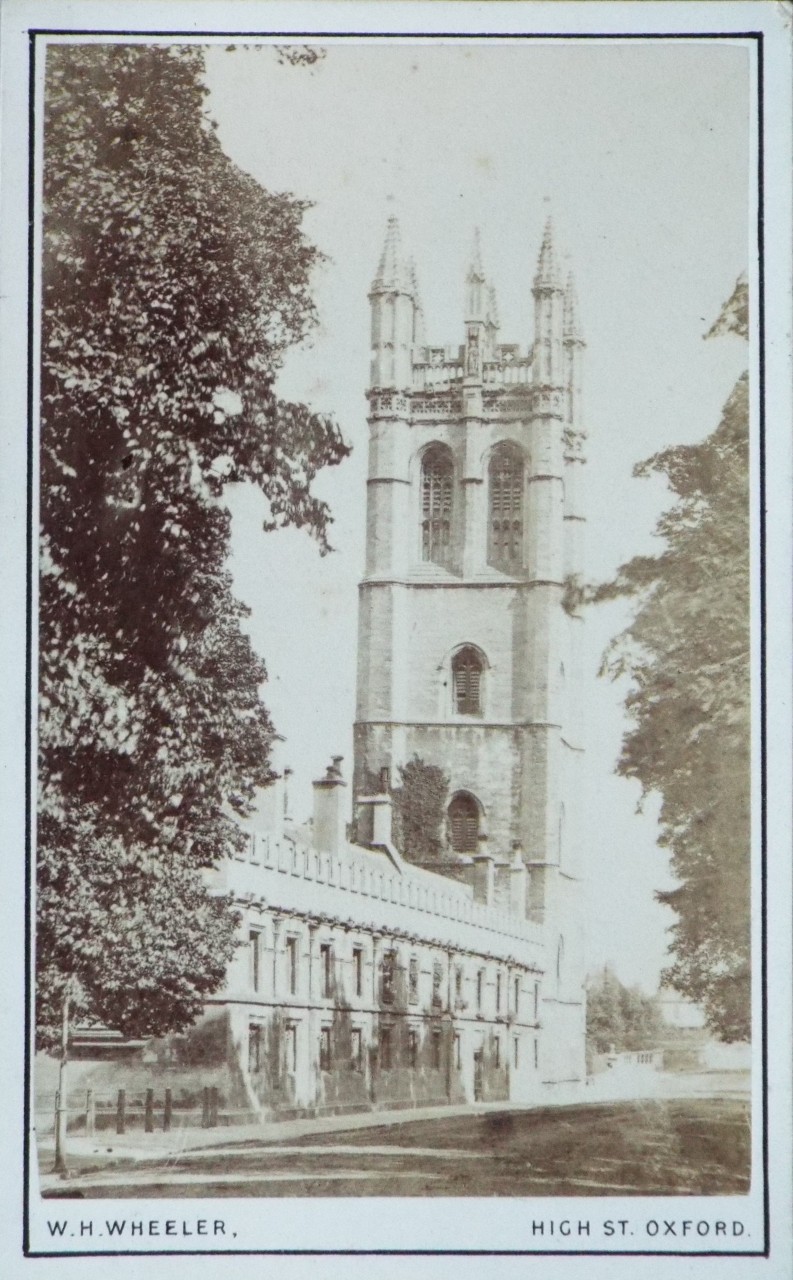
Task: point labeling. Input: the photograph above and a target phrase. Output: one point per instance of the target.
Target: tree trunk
(62, 1115)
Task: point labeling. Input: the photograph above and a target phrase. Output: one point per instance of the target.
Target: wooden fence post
(121, 1108)
(205, 1115)
(213, 1107)
(90, 1114)
(148, 1121)
(166, 1115)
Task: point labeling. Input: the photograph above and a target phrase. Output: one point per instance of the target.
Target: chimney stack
(330, 823)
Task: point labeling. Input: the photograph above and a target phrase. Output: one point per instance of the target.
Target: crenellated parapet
(362, 888)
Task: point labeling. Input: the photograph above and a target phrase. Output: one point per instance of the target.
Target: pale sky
(642, 152)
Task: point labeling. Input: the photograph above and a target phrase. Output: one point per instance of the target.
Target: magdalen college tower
(469, 652)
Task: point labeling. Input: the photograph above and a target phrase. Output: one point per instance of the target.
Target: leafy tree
(420, 811)
(604, 1016)
(619, 1017)
(172, 284)
(687, 654)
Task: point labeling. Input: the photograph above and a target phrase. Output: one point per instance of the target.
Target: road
(684, 1146)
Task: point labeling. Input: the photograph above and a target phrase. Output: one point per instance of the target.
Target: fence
(92, 1113)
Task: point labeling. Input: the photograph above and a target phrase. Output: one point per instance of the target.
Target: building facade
(366, 980)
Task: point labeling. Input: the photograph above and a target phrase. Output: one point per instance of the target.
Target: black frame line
(428, 37)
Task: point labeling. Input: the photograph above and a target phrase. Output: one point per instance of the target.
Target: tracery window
(505, 528)
(467, 680)
(464, 822)
(436, 505)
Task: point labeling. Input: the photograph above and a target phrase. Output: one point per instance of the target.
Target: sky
(641, 154)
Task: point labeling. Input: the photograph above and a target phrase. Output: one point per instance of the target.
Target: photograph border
(36, 38)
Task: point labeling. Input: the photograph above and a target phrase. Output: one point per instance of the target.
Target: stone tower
(469, 620)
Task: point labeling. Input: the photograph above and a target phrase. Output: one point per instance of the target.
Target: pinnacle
(492, 306)
(547, 270)
(475, 270)
(571, 321)
(392, 273)
(414, 283)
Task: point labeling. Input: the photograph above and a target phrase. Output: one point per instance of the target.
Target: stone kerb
(279, 872)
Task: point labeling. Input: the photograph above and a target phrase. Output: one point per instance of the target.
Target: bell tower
(469, 617)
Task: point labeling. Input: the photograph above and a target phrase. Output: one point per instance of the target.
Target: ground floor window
(516, 1051)
(536, 1053)
(291, 1047)
(413, 1046)
(255, 1046)
(356, 1049)
(497, 1051)
(458, 1052)
(324, 1049)
(436, 1047)
(385, 1048)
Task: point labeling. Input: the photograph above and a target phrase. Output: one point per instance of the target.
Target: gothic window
(467, 680)
(505, 529)
(413, 980)
(436, 505)
(326, 969)
(291, 965)
(437, 984)
(357, 969)
(255, 952)
(464, 823)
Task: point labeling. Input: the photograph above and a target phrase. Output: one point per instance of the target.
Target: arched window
(436, 505)
(467, 681)
(505, 529)
(464, 822)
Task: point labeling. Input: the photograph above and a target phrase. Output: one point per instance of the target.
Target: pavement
(109, 1153)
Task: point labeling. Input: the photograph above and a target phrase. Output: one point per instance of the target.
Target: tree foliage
(686, 652)
(620, 1017)
(172, 285)
(420, 811)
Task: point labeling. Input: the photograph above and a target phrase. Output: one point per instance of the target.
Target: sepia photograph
(397, 818)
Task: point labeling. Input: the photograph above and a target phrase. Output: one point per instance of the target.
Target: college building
(373, 977)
